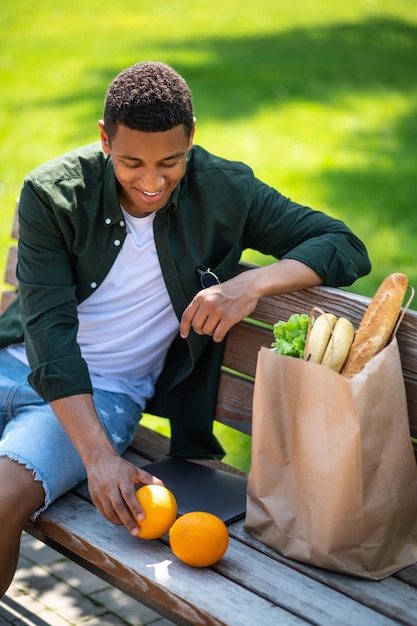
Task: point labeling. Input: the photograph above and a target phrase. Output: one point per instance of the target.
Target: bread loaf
(377, 324)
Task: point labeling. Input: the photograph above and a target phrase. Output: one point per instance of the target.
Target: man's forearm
(112, 481)
(282, 277)
(78, 417)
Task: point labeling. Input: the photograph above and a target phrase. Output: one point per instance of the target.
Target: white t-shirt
(127, 325)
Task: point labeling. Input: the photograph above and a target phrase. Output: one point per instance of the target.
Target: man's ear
(105, 144)
(192, 133)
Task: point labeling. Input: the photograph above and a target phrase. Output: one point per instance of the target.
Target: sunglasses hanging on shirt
(207, 277)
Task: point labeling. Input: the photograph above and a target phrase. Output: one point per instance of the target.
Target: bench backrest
(234, 403)
(10, 279)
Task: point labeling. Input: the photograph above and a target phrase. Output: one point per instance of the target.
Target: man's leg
(20, 496)
(38, 462)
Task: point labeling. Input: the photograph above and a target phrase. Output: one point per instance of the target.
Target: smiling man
(113, 316)
(147, 166)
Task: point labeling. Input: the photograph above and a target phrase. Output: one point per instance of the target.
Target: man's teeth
(148, 193)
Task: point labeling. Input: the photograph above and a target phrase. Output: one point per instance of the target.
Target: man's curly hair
(150, 97)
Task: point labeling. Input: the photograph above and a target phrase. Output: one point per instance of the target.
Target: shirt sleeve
(287, 230)
(48, 303)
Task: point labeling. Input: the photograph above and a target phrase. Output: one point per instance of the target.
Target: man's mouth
(150, 197)
(149, 193)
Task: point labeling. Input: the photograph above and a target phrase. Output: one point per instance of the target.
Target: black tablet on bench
(201, 488)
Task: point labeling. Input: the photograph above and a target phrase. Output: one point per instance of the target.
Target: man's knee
(21, 494)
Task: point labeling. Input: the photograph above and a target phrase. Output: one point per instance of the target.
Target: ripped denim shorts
(31, 434)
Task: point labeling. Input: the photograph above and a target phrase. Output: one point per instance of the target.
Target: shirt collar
(111, 207)
(174, 198)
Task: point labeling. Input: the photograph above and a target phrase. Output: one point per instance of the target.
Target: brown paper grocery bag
(333, 478)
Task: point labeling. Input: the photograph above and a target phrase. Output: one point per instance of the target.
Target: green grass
(320, 98)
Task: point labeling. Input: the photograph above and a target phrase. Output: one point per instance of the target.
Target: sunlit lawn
(320, 98)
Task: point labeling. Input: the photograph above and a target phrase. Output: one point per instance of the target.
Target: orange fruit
(199, 539)
(160, 509)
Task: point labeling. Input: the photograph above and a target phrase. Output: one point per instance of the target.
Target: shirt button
(93, 285)
(116, 242)
(107, 220)
(122, 223)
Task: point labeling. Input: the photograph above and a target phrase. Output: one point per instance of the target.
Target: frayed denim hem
(36, 476)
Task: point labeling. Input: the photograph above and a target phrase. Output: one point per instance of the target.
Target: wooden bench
(252, 584)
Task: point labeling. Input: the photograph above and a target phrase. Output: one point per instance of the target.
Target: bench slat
(321, 603)
(10, 277)
(15, 224)
(271, 309)
(242, 347)
(234, 402)
(410, 380)
(150, 444)
(394, 596)
(148, 571)
(7, 298)
(8, 295)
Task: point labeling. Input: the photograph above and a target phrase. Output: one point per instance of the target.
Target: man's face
(148, 166)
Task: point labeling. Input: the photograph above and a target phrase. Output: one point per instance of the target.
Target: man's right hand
(112, 483)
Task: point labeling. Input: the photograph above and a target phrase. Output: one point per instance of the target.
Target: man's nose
(151, 179)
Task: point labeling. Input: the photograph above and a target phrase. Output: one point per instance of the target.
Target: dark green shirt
(71, 229)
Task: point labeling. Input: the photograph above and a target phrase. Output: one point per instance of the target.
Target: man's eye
(132, 166)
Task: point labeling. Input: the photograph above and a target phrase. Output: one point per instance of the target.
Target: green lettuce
(290, 336)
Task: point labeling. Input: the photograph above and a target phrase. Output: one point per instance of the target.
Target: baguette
(377, 324)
